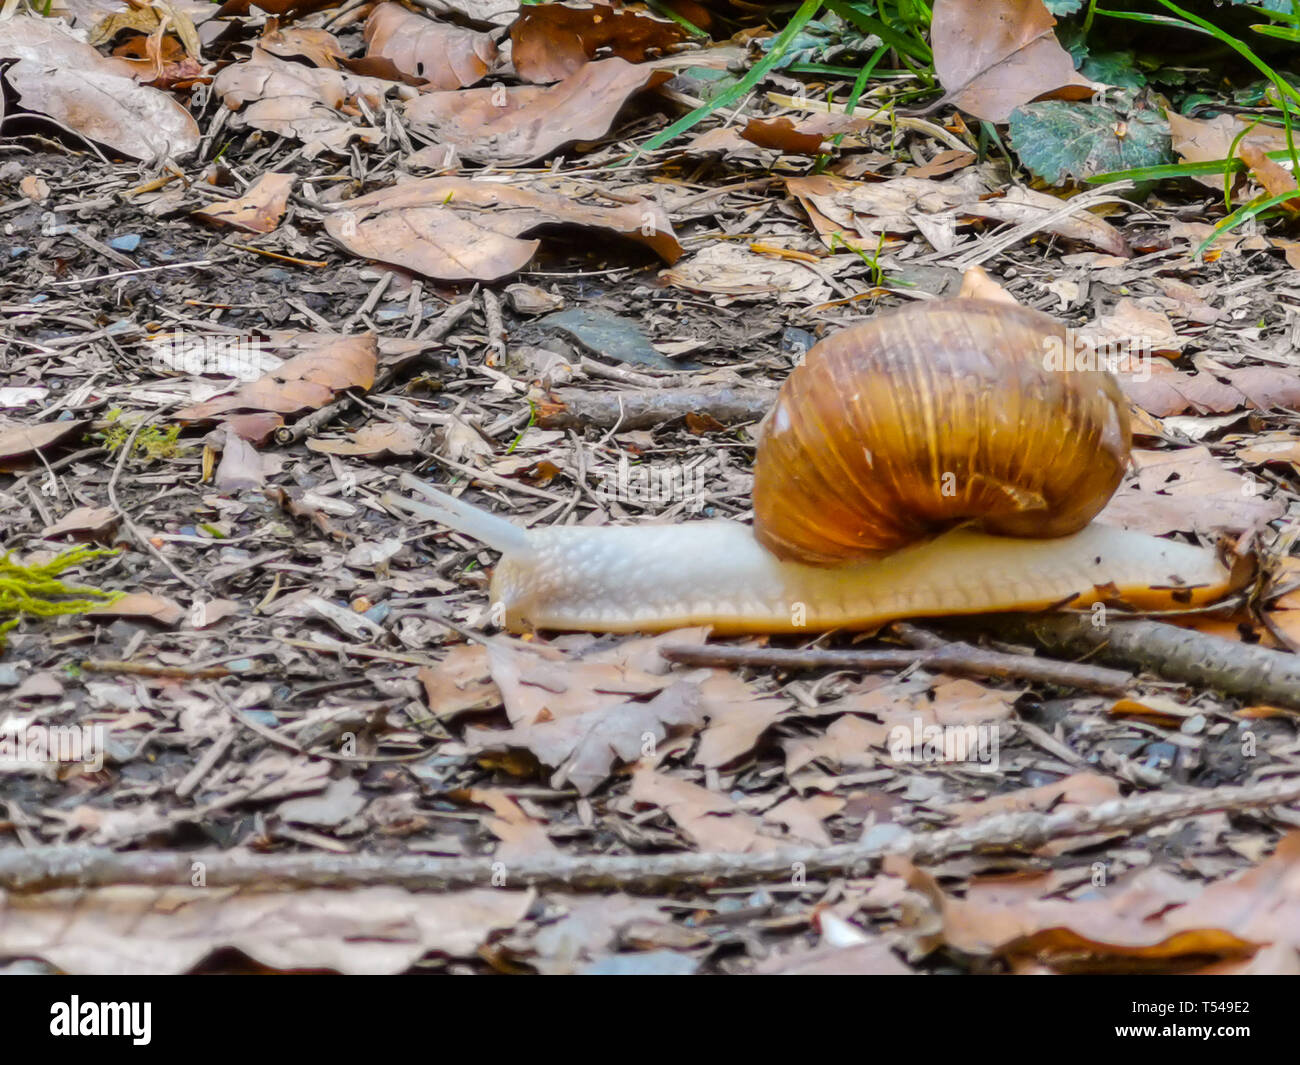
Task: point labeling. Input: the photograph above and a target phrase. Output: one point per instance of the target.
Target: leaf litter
(335, 271)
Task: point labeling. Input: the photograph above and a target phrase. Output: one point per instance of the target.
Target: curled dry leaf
(518, 125)
(319, 47)
(258, 210)
(241, 467)
(1021, 205)
(995, 55)
(255, 428)
(162, 62)
(444, 55)
(867, 209)
(385, 438)
(310, 104)
(727, 269)
(976, 284)
(459, 229)
(548, 42)
(141, 606)
(55, 74)
(317, 366)
(83, 523)
(19, 442)
(783, 135)
(1273, 177)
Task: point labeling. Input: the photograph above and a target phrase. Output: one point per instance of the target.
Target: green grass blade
(917, 49)
(756, 73)
(1242, 214)
(1286, 33)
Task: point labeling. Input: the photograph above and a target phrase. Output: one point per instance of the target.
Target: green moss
(151, 443)
(37, 590)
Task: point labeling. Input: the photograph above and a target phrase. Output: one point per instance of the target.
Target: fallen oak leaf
(444, 55)
(130, 930)
(459, 229)
(994, 55)
(58, 75)
(525, 123)
(323, 365)
(548, 42)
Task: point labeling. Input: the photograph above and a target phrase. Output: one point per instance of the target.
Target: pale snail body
(728, 575)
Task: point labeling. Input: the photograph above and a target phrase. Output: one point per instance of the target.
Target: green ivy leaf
(1058, 140)
(1113, 68)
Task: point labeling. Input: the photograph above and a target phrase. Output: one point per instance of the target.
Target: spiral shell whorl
(941, 414)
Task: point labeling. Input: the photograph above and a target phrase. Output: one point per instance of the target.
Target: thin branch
(49, 867)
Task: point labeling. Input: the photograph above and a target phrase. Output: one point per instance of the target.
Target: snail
(929, 461)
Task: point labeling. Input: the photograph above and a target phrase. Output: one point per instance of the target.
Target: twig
(496, 329)
(45, 868)
(141, 270)
(950, 658)
(576, 408)
(147, 669)
(1249, 672)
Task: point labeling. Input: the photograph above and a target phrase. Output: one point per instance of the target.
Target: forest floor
(298, 673)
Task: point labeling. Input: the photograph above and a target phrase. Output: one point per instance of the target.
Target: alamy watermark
(1130, 356)
(655, 483)
(25, 746)
(918, 742)
(243, 357)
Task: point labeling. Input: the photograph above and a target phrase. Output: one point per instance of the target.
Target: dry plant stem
(576, 408)
(920, 125)
(146, 669)
(1248, 672)
(950, 658)
(49, 867)
(131, 526)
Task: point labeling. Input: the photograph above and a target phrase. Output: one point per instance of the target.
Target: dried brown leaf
(57, 75)
(524, 123)
(460, 229)
(549, 42)
(444, 55)
(994, 55)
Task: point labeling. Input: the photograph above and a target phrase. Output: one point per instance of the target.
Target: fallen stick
(1245, 671)
(647, 408)
(50, 867)
(959, 658)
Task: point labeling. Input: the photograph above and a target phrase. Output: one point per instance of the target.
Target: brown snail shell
(941, 414)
